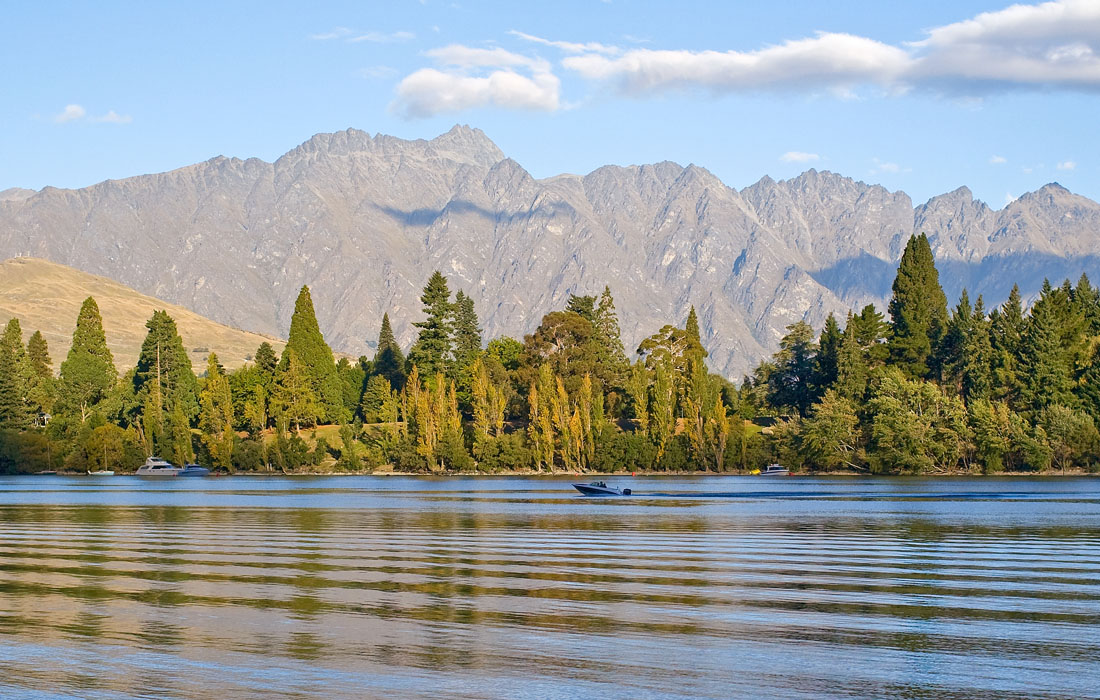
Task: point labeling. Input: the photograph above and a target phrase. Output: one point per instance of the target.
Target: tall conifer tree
(42, 387)
(828, 352)
(918, 310)
(318, 362)
(88, 372)
(467, 334)
(432, 352)
(389, 362)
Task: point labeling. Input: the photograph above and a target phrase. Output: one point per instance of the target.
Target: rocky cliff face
(364, 220)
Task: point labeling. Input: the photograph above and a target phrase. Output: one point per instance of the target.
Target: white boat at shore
(101, 472)
(775, 470)
(155, 466)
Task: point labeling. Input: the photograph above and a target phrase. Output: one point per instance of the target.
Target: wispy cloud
(77, 113)
(799, 157)
(378, 72)
(997, 160)
(71, 113)
(382, 37)
(569, 46)
(1067, 165)
(881, 166)
(352, 36)
(113, 117)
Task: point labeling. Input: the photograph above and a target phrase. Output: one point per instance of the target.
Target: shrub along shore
(921, 390)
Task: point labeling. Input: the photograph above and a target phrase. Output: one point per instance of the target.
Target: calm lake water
(520, 588)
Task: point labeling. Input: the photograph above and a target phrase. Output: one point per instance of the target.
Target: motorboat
(101, 472)
(775, 470)
(600, 488)
(193, 470)
(155, 466)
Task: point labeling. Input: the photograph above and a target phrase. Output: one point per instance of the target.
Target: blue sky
(922, 97)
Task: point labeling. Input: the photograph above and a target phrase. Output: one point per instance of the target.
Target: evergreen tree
(1006, 330)
(389, 362)
(42, 387)
(467, 334)
(977, 356)
(872, 331)
(950, 355)
(1086, 299)
(918, 310)
(88, 373)
(828, 355)
(316, 359)
(13, 378)
(376, 399)
(1088, 388)
(852, 369)
(164, 361)
(831, 436)
(266, 363)
(433, 350)
(1045, 376)
(792, 382)
(608, 335)
(585, 306)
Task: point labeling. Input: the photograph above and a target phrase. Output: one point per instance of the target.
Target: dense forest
(930, 390)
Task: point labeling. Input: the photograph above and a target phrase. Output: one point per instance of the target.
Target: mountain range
(365, 220)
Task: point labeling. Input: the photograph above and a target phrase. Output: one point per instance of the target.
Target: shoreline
(1077, 473)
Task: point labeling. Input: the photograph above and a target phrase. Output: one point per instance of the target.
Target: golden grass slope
(46, 296)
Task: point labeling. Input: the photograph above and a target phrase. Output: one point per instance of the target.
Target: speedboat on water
(775, 470)
(600, 488)
(155, 466)
(193, 470)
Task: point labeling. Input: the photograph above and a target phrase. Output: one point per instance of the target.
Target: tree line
(929, 390)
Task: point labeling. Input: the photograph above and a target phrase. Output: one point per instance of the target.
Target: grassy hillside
(46, 296)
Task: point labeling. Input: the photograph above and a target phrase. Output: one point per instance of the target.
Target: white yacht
(775, 470)
(155, 466)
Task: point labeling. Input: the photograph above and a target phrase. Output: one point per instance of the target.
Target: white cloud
(428, 91)
(569, 46)
(352, 36)
(798, 157)
(70, 113)
(1049, 45)
(113, 117)
(1067, 165)
(881, 166)
(997, 160)
(828, 60)
(383, 38)
(336, 33)
(475, 77)
(460, 56)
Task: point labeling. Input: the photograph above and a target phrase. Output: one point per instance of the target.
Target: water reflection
(514, 588)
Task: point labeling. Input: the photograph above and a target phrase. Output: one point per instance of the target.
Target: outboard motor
(626, 492)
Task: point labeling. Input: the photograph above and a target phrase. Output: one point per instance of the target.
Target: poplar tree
(662, 421)
(389, 362)
(295, 400)
(88, 373)
(637, 389)
(216, 415)
(918, 310)
(432, 352)
(316, 358)
(42, 387)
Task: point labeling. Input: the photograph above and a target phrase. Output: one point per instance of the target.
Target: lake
(695, 587)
